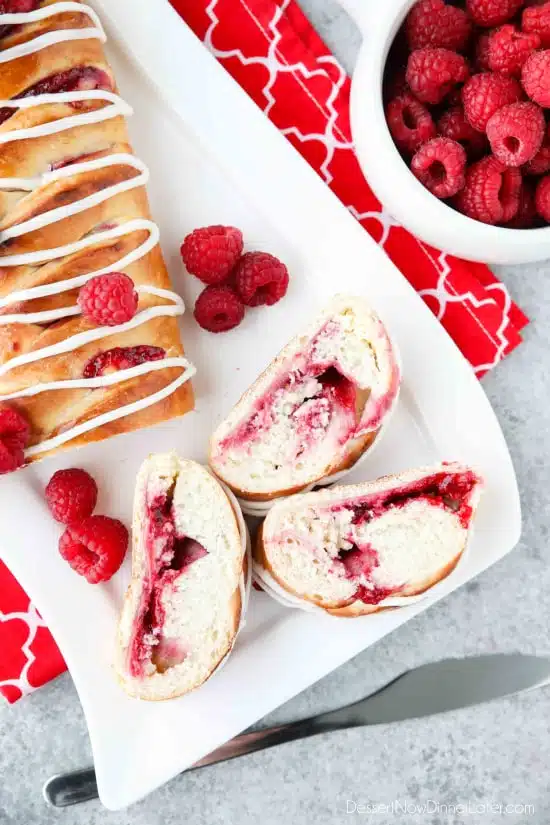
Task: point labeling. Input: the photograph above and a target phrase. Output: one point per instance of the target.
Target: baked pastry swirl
(314, 412)
(72, 206)
(366, 547)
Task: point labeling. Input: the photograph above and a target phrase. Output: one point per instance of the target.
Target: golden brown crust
(358, 608)
(351, 609)
(19, 75)
(54, 412)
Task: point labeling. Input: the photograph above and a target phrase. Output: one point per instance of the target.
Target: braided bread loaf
(73, 205)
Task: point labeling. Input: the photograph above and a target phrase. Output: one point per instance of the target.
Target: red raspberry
(509, 49)
(453, 124)
(121, 358)
(71, 495)
(433, 23)
(482, 52)
(410, 122)
(95, 547)
(489, 13)
(516, 132)
(440, 165)
(536, 20)
(210, 253)
(542, 198)
(526, 215)
(432, 73)
(261, 278)
(108, 300)
(491, 192)
(14, 437)
(218, 309)
(540, 164)
(484, 93)
(535, 77)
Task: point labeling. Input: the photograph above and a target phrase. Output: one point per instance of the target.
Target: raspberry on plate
(540, 164)
(490, 193)
(95, 547)
(535, 77)
(516, 132)
(108, 300)
(536, 20)
(409, 122)
(453, 124)
(218, 309)
(440, 165)
(489, 13)
(434, 23)
(432, 73)
(509, 48)
(542, 198)
(485, 93)
(14, 437)
(211, 252)
(261, 278)
(71, 495)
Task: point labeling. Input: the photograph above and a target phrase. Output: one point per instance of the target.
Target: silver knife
(433, 688)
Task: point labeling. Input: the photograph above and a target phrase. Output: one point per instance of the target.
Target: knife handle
(66, 789)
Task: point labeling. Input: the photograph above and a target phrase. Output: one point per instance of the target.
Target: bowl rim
(401, 194)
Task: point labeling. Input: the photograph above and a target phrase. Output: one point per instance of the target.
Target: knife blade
(437, 687)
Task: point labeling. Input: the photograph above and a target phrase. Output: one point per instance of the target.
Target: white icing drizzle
(114, 107)
(82, 338)
(67, 211)
(113, 415)
(40, 256)
(50, 38)
(100, 381)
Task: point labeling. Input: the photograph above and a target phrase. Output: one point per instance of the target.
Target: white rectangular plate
(214, 158)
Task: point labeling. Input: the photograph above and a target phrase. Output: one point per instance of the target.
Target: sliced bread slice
(188, 592)
(361, 548)
(315, 410)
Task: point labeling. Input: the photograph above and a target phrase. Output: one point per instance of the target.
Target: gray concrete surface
(498, 753)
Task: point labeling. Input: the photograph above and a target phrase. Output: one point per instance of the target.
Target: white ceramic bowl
(395, 186)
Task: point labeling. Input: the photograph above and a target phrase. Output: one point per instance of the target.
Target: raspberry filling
(332, 395)
(360, 562)
(121, 358)
(79, 79)
(15, 7)
(311, 396)
(168, 557)
(450, 491)
(68, 161)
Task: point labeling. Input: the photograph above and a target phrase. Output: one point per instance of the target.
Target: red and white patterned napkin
(272, 51)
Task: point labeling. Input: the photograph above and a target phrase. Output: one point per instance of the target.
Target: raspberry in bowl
(450, 113)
